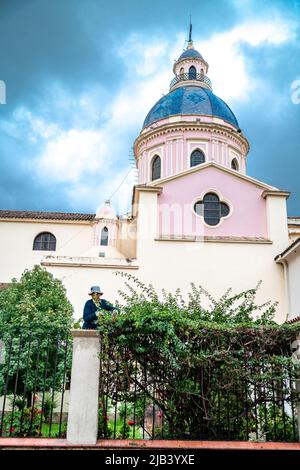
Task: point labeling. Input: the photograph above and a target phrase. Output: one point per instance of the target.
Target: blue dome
(190, 53)
(190, 100)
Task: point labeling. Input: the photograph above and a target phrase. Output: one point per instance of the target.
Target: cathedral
(196, 215)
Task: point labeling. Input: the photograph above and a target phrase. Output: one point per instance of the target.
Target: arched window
(104, 236)
(235, 164)
(181, 72)
(211, 208)
(197, 157)
(192, 73)
(156, 168)
(44, 241)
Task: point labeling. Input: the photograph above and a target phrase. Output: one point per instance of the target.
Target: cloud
(80, 139)
(68, 156)
(228, 68)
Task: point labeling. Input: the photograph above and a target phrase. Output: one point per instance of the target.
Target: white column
(298, 390)
(84, 390)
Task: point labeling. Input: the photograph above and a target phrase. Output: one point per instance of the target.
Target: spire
(190, 41)
(191, 26)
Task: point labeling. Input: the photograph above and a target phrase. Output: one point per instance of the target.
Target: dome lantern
(189, 127)
(190, 68)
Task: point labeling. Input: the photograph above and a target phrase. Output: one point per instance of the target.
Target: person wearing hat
(92, 306)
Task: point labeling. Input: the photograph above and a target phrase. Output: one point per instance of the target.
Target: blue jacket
(89, 313)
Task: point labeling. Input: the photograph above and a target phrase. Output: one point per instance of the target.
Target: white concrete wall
(126, 242)
(78, 281)
(216, 266)
(166, 264)
(16, 243)
(277, 222)
(294, 283)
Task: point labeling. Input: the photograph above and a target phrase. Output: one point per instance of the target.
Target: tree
(35, 321)
(223, 371)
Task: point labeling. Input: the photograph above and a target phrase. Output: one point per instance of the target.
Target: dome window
(104, 237)
(192, 73)
(197, 157)
(45, 241)
(156, 168)
(235, 164)
(211, 209)
(181, 72)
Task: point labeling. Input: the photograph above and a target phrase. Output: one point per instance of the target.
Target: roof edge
(284, 254)
(40, 215)
(202, 166)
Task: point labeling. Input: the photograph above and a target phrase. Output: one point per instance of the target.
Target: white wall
(166, 264)
(16, 243)
(294, 283)
(216, 266)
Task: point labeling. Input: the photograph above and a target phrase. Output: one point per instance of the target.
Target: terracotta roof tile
(294, 320)
(8, 214)
(3, 285)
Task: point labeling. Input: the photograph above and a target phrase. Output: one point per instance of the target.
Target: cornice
(276, 193)
(169, 128)
(198, 168)
(188, 60)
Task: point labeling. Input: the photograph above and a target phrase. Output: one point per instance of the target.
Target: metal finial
(191, 27)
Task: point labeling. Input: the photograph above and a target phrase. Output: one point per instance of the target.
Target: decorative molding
(85, 264)
(226, 169)
(210, 127)
(217, 239)
(47, 221)
(277, 192)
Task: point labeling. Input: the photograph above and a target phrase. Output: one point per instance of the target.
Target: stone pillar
(84, 389)
(297, 358)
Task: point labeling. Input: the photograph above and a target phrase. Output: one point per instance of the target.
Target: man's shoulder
(88, 302)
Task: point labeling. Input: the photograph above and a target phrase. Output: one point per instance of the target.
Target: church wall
(78, 281)
(16, 243)
(175, 149)
(294, 284)
(277, 221)
(215, 265)
(126, 241)
(247, 216)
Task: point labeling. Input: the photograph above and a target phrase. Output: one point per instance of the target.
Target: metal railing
(199, 77)
(139, 401)
(34, 372)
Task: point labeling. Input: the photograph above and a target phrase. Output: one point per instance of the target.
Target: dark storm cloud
(74, 40)
(45, 41)
(271, 121)
(74, 44)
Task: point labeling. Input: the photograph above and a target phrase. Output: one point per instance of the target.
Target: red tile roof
(3, 285)
(8, 214)
(294, 320)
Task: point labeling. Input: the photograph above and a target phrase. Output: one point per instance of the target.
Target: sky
(77, 78)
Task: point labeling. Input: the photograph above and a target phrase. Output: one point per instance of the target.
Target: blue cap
(95, 290)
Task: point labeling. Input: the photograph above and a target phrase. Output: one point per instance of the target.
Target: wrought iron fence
(199, 77)
(139, 400)
(34, 375)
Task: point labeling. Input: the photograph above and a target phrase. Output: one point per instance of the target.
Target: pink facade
(176, 217)
(175, 148)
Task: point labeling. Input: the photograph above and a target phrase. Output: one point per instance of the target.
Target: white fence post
(84, 389)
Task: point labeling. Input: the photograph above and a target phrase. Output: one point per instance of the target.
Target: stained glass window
(212, 209)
